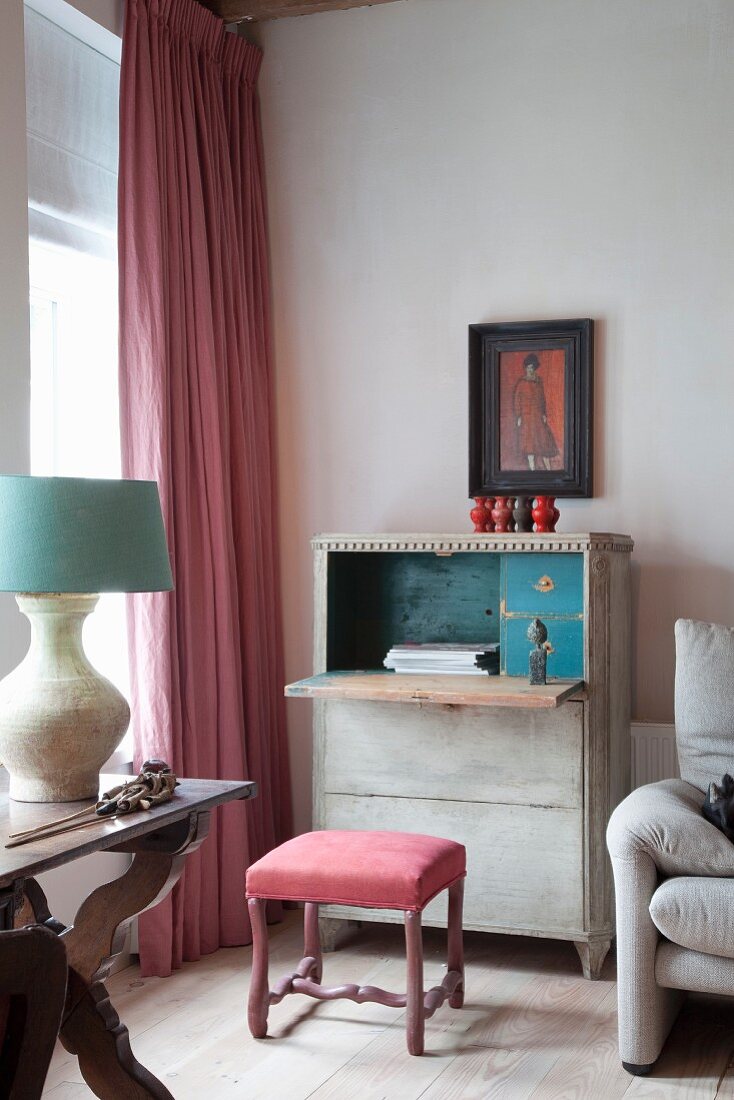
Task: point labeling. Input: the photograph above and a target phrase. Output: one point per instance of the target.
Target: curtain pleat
(197, 416)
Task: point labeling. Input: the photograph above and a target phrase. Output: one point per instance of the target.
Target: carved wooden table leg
(91, 1028)
(94, 1033)
(33, 909)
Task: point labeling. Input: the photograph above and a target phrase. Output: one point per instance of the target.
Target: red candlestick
(489, 502)
(502, 514)
(480, 514)
(545, 514)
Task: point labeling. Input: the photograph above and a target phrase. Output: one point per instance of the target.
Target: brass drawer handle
(545, 584)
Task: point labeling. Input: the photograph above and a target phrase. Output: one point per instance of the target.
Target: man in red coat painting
(534, 437)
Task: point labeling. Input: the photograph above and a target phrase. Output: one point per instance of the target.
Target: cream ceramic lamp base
(60, 720)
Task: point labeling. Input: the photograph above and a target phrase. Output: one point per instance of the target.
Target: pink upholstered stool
(372, 870)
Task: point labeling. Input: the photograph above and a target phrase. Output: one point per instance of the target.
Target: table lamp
(63, 540)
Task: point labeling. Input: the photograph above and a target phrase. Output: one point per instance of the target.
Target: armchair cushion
(697, 913)
(704, 700)
(664, 821)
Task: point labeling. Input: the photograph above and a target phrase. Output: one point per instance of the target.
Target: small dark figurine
(538, 634)
(719, 806)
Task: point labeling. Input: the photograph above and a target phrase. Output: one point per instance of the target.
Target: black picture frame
(486, 343)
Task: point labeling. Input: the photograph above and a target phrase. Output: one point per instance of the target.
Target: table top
(394, 687)
(31, 859)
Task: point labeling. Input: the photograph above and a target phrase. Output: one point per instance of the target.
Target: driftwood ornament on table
(538, 634)
(153, 786)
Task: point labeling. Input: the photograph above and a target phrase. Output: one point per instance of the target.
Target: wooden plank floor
(531, 1027)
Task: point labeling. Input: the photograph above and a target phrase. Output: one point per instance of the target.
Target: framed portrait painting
(531, 408)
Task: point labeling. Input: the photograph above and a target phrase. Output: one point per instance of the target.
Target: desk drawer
(544, 584)
(524, 864)
(471, 754)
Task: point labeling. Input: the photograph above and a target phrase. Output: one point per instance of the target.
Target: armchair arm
(664, 821)
(639, 841)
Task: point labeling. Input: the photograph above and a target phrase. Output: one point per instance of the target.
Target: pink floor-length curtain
(196, 416)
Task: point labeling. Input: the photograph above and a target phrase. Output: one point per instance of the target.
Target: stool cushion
(373, 870)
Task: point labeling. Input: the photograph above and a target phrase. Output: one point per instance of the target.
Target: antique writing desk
(159, 842)
(526, 777)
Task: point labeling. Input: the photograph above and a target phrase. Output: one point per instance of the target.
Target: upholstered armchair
(673, 871)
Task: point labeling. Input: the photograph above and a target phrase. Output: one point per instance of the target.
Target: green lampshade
(73, 534)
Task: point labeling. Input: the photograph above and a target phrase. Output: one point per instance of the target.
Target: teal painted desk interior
(548, 587)
(376, 601)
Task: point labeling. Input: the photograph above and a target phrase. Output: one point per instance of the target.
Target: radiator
(653, 752)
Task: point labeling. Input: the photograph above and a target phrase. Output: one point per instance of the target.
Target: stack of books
(440, 658)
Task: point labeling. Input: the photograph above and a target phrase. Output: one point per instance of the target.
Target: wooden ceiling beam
(255, 11)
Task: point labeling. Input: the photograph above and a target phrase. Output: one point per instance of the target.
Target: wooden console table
(159, 842)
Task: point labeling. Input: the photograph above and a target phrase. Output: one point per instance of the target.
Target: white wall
(106, 13)
(433, 163)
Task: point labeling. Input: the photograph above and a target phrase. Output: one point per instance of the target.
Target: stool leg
(455, 959)
(415, 1022)
(259, 1001)
(311, 938)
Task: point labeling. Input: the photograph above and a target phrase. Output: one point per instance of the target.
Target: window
(72, 103)
(74, 405)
